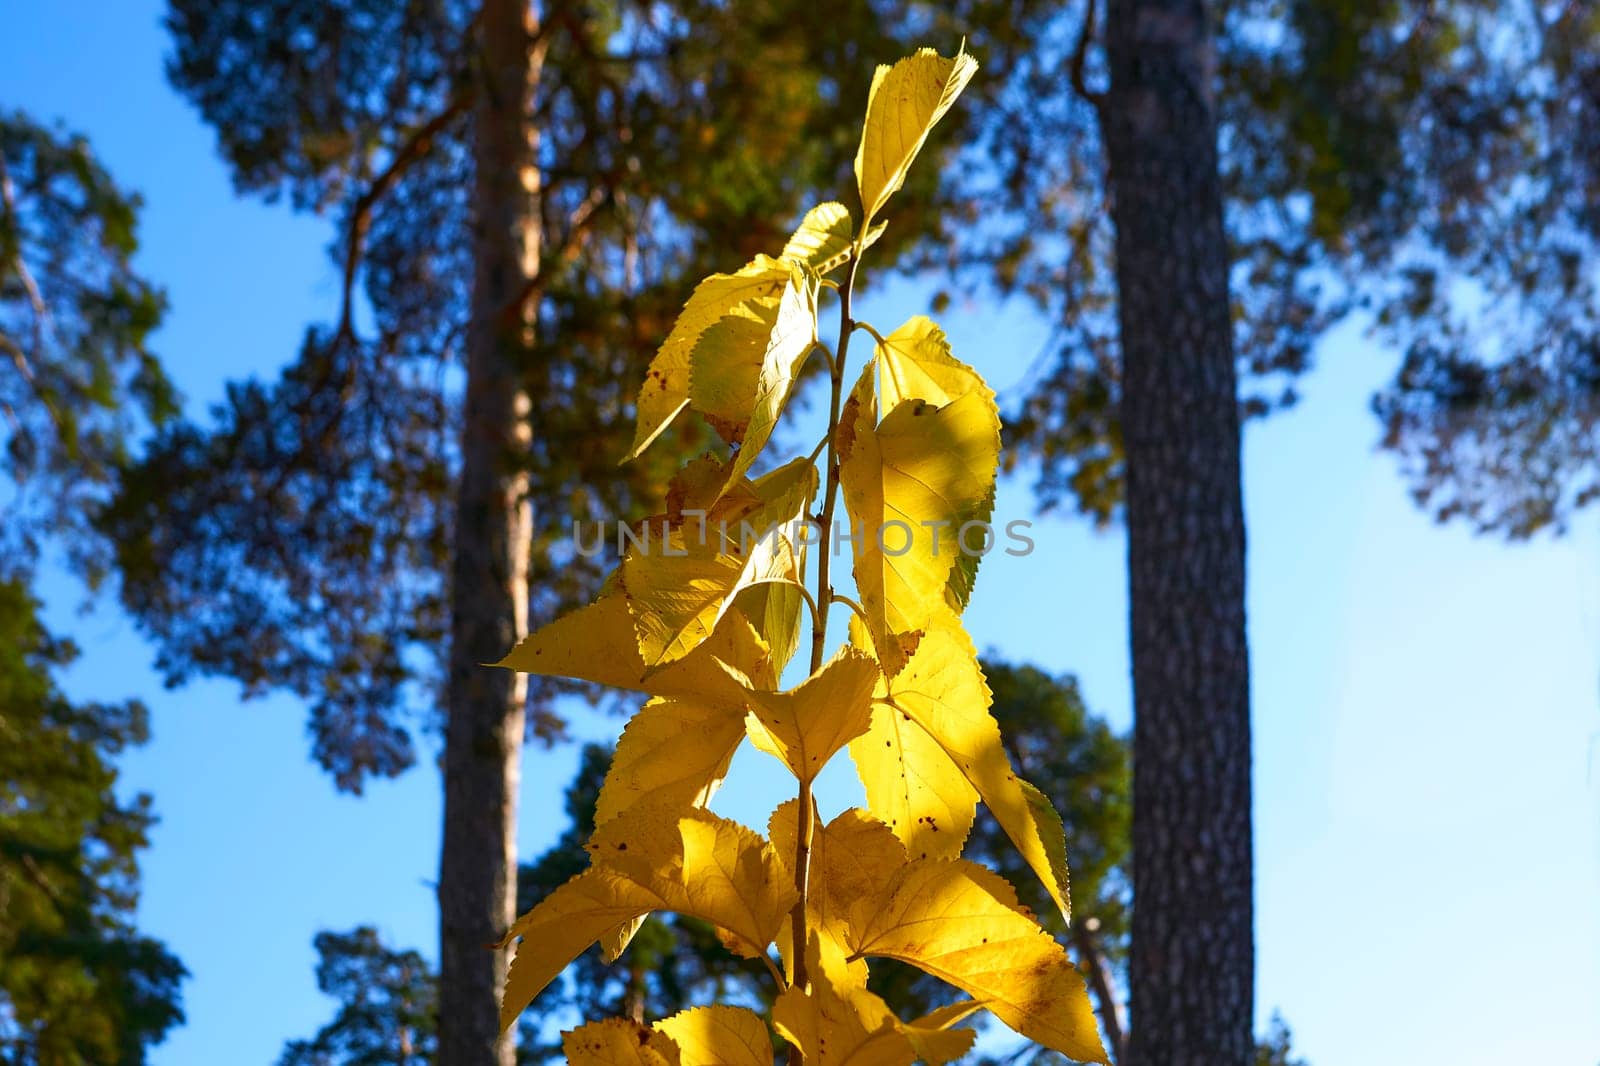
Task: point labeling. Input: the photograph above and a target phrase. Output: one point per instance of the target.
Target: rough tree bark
(1191, 968)
(489, 590)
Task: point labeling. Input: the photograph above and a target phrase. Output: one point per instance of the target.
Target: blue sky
(1427, 704)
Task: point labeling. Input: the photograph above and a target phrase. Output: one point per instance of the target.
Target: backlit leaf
(913, 785)
(963, 924)
(851, 859)
(665, 393)
(823, 241)
(598, 643)
(673, 752)
(902, 107)
(688, 861)
(743, 369)
(910, 482)
(832, 1026)
(943, 692)
(777, 611)
(915, 363)
(682, 584)
(807, 725)
(618, 1042)
(719, 1036)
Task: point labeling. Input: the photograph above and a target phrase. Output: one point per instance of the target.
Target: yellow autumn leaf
(563, 925)
(943, 692)
(805, 726)
(777, 611)
(673, 752)
(902, 107)
(618, 1042)
(824, 240)
(915, 363)
(851, 859)
(682, 584)
(963, 924)
(742, 372)
(910, 482)
(598, 643)
(834, 1026)
(684, 860)
(934, 1037)
(665, 392)
(913, 786)
(718, 1036)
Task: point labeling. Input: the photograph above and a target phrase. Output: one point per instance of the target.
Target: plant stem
(819, 626)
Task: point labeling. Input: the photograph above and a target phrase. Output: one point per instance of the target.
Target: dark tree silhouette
(78, 983)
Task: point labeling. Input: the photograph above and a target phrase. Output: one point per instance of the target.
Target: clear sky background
(1427, 703)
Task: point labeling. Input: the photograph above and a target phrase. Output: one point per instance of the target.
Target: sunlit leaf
(776, 609)
(673, 752)
(942, 691)
(618, 1042)
(823, 241)
(598, 643)
(832, 1027)
(807, 725)
(913, 785)
(915, 363)
(905, 102)
(719, 1036)
(744, 368)
(665, 393)
(963, 924)
(910, 482)
(682, 585)
(689, 861)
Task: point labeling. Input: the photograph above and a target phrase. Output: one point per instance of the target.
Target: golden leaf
(618, 1042)
(666, 386)
(689, 861)
(915, 363)
(742, 372)
(913, 786)
(680, 587)
(719, 1036)
(832, 1026)
(806, 726)
(598, 643)
(910, 482)
(824, 239)
(673, 752)
(943, 692)
(902, 107)
(963, 924)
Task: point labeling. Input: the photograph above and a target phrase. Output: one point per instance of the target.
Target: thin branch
(1080, 56)
(869, 328)
(579, 224)
(811, 601)
(777, 975)
(861, 612)
(1093, 960)
(417, 145)
(41, 313)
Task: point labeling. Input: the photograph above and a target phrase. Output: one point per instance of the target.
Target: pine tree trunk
(489, 591)
(1191, 968)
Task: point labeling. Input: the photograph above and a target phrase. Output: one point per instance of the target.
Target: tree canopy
(78, 983)
(300, 537)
